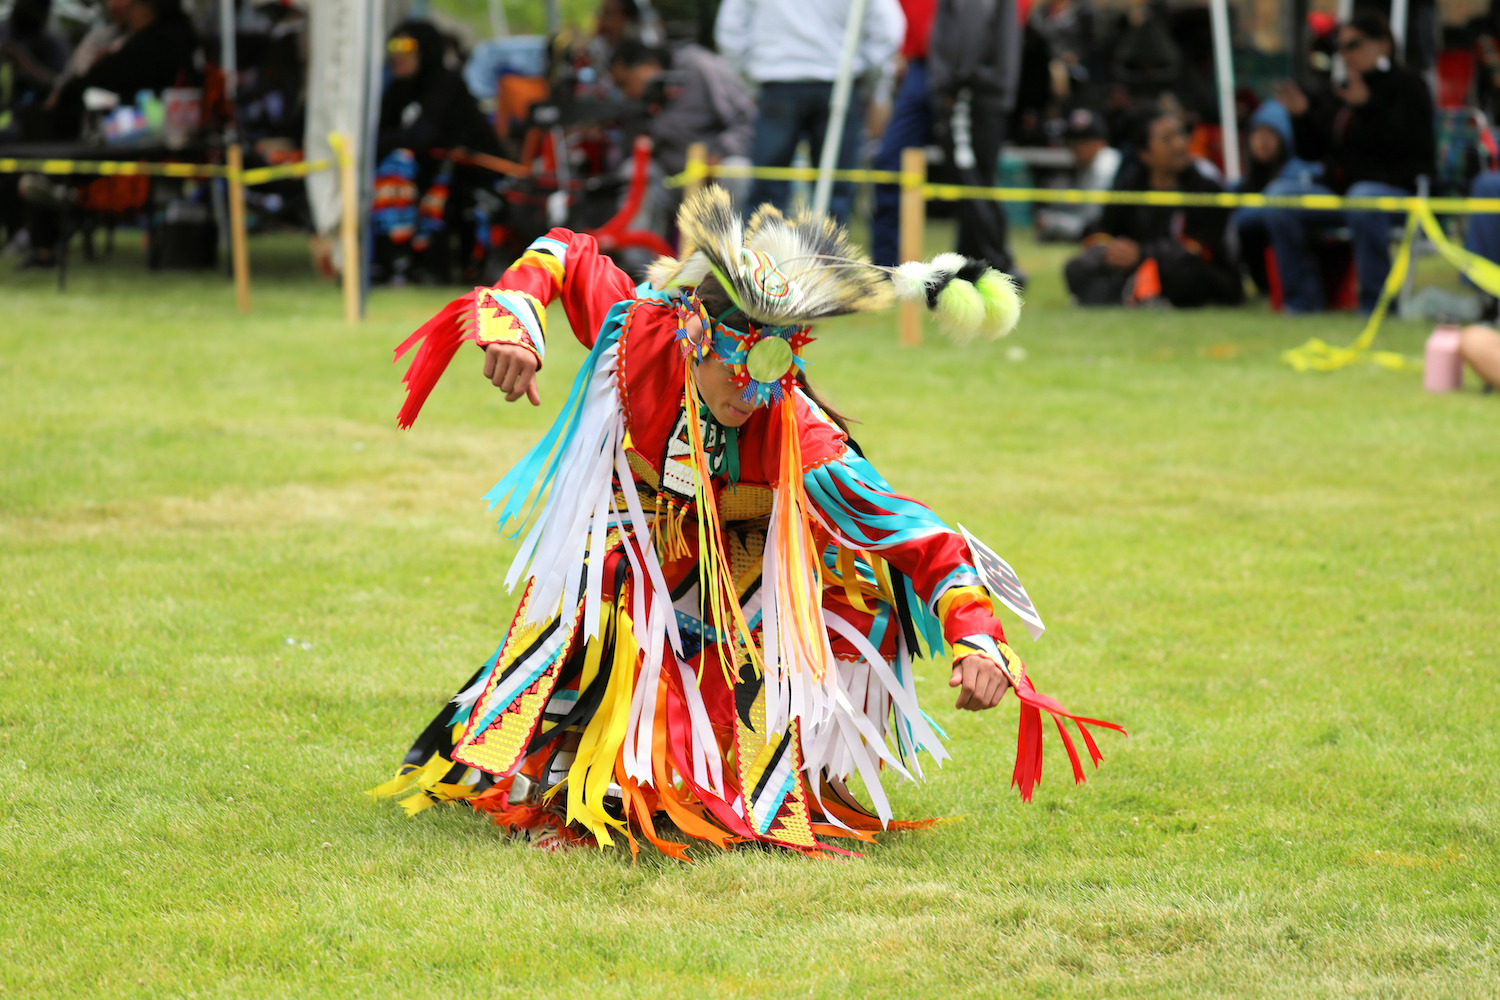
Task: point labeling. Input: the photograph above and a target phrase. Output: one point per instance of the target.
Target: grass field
(231, 593)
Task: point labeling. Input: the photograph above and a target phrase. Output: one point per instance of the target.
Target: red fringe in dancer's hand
(1028, 772)
(440, 337)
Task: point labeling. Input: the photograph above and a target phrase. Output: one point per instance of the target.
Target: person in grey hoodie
(974, 67)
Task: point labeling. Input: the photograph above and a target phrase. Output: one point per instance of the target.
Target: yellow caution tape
(697, 172)
(1320, 356)
(1316, 354)
(1225, 199)
(109, 168)
(264, 175)
(128, 168)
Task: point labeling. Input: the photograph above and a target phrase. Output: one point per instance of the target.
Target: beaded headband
(764, 361)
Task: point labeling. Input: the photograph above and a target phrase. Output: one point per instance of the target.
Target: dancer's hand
(981, 683)
(513, 370)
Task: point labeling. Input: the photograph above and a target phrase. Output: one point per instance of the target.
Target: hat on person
(1272, 114)
(1084, 124)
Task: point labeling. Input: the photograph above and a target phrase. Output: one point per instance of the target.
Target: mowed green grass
(1284, 585)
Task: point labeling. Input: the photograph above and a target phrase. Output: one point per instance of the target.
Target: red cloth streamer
(440, 337)
(1028, 772)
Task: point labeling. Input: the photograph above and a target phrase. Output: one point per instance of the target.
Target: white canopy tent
(346, 59)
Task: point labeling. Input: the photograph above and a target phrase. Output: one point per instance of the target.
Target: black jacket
(1388, 139)
(1163, 231)
(151, 59)
(434, 111)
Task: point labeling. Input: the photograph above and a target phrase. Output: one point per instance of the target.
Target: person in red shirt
(722, 599)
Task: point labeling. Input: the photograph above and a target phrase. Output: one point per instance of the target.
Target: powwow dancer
(722, 600)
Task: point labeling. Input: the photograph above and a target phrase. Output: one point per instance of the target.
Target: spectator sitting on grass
(1144, 253)
(1374, 136)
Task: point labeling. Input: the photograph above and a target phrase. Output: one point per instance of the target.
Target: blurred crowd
(481, 148)
(126, 74)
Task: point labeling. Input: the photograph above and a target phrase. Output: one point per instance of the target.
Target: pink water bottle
(1443, 370)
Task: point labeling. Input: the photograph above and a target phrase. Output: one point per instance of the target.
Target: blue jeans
(1484, 230)
(910, 126)
(789, 113)
(1292, 230)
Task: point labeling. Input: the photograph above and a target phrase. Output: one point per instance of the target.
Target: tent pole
(838, 111)
(229, 60)
(365, 158)
(229, 65)
(1224, 63)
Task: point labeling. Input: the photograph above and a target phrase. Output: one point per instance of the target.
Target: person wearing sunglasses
(1374, 135)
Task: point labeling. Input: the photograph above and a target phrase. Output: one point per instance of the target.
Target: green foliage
(522, 17)
(1284, 586)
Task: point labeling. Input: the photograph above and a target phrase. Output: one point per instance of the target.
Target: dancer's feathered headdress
(784, 272)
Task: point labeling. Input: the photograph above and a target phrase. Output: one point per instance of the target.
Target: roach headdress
(784, 272)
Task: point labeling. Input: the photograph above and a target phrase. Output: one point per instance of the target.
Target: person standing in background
(792, 49)
(974, 68)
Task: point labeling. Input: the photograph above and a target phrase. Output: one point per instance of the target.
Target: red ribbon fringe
(440, 337)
